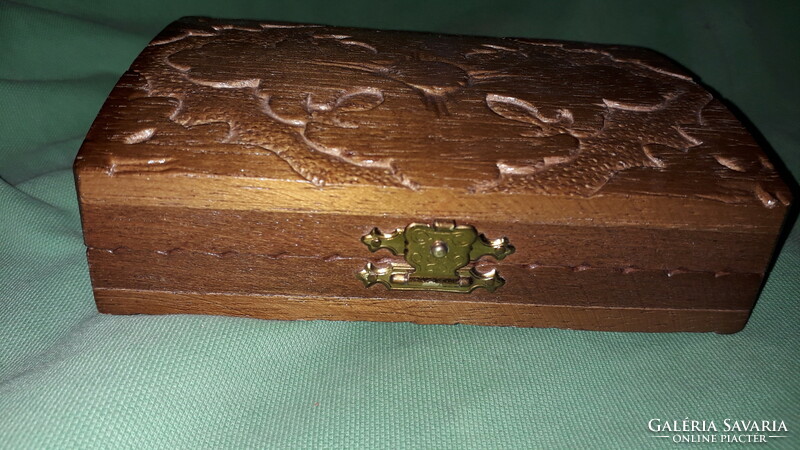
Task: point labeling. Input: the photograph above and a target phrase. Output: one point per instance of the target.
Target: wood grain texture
(351, 106)
(113, 227)
(285, 307)
(244, 160)
(558, 285)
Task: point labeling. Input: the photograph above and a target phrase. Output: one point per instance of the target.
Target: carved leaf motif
(522, 111)
(359, 106)
(362, 100)
(512, 108)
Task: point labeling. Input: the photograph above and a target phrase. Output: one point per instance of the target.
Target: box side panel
(127, 301)
(281, 260)
(211, 231)
(183, 271)
(276, 271)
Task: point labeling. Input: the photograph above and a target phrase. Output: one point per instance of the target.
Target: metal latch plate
(436, 258)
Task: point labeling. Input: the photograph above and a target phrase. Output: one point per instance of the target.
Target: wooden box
(239, 168)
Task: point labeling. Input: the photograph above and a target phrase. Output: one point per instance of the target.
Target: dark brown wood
(113, 227)
(287, 307)
(253, 274)
(236, 165)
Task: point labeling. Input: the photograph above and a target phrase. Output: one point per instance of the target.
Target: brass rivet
(439, 249)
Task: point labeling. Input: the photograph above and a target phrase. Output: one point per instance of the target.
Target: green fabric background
(70, 377)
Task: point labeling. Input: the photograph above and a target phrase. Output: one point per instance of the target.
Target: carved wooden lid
(339, 107)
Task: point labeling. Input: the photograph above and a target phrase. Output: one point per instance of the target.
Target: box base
(279, 307)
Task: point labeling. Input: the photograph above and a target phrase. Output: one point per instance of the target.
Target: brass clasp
(436, 257)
